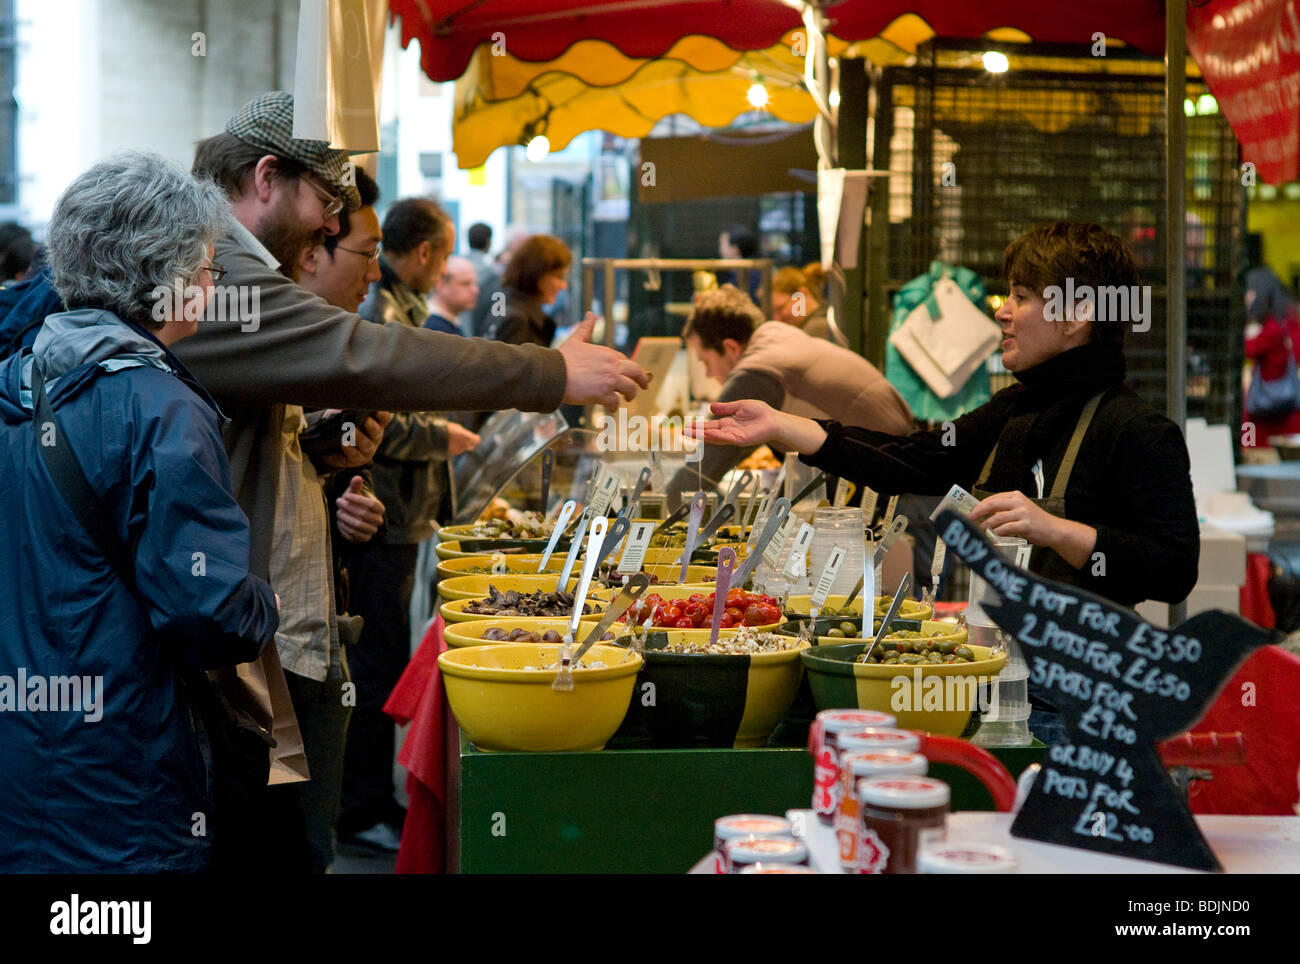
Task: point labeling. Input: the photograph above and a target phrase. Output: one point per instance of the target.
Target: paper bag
(259, 690)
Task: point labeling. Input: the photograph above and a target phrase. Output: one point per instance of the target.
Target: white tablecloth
(1244, 845)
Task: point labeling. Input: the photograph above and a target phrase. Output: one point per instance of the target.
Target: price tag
(869, 499)
(604, 494)
(499, 564)
(868, 588)
(827, 577)
(890, 508)
(936, 566)
(843, 492)
(772, 553)
(634, 546)
(760, 520)
(796, 566)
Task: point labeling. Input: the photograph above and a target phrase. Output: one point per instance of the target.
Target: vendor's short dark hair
(229, 161)
(1048, 254)
(412, 221)
(369, 192)
(480, 236)
(532, 261)
(720, 314)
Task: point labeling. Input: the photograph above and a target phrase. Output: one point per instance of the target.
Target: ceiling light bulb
(996, 62)
(537, 148)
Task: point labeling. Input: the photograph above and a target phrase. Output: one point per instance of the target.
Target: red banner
(1249, 53)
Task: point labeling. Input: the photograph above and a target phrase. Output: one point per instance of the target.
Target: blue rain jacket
(103, 764)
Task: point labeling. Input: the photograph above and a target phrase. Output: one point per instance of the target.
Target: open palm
(743, 423)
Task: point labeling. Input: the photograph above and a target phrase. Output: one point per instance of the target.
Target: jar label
(873, 854)
(826, 782)
(931, 836)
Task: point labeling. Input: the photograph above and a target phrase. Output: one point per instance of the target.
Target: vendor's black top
(524, 322)
(1131, 480)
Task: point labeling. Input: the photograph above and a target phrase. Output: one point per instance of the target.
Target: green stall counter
(635, 811)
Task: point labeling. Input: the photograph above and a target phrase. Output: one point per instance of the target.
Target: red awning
(449, 30)
(1249, 54)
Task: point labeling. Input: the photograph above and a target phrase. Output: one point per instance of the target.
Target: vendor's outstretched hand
(751, 422)
(596, 374)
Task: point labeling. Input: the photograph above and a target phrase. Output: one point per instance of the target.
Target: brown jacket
(803, 375)
(301, 350)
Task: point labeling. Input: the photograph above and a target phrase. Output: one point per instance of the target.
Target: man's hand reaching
(597, 375)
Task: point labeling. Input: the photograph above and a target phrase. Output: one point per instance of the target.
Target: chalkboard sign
(1121, 685)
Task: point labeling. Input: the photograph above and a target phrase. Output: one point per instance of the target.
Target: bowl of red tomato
(691, 607)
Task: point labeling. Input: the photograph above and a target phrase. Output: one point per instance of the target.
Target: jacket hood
(69, 340)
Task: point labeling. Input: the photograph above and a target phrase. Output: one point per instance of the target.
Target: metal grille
(978, 157)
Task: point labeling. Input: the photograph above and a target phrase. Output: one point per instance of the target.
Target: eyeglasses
(333, 205)
(370, 256)
(216, 271)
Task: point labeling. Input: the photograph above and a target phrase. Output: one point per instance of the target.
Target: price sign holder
(635, 545)
(1121, 686)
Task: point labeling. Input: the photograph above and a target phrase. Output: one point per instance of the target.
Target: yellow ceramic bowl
(697, 703)
(667, 575)
(523, 565)
(454, 611)
(451, 549)
(934, 698)
(501, 706)
(448, 533)
(941, 632)
(476, 587)
(471, 633)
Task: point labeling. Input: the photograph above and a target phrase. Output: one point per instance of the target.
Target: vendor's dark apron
(1045, 721)
(1055, 502)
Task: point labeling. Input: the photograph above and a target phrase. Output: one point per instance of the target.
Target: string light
(757, 95)
(537, 148)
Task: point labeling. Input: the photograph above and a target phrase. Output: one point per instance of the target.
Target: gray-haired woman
(103, 765)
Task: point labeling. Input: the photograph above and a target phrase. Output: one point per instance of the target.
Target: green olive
(964, 652)
(947, 648)
(837, 633)
(911, 659)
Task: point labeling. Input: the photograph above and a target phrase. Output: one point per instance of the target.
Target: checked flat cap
(267, 124)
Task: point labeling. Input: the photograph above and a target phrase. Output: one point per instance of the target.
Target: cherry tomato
(736, 613)
(673, 613)
(685, 623)
(753, 615)
(695, 612)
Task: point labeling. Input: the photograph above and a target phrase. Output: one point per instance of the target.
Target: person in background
(738, 241)
(780, 365)
(814, 279)
(794, 303)
(486, 276)
(410, 474)
(455, 294)
(116, 784)
(534, 278)
(17, 250)
(1271, 322)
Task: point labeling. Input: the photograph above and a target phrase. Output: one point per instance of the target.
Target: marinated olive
(964, 652)
(837, 633)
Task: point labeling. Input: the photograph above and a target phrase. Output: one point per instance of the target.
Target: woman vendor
(1068, 458)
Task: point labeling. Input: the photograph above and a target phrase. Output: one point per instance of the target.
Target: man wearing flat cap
(300, 352)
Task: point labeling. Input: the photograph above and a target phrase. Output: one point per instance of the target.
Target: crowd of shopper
(207, 459)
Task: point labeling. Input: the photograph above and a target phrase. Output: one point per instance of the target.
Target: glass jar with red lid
(900, 815)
